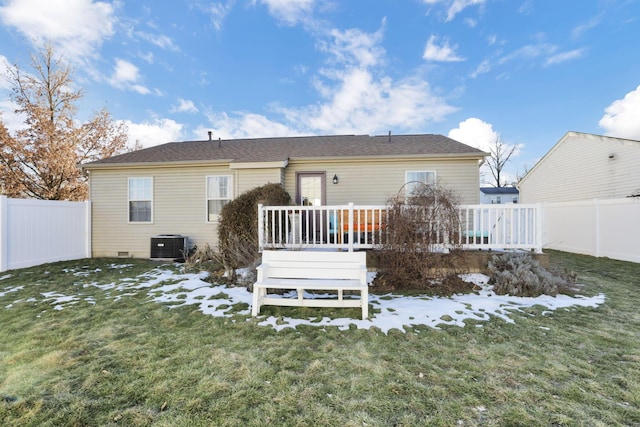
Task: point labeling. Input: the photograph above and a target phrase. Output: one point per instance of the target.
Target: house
(584, 166)
(180, 187)
(498, 195)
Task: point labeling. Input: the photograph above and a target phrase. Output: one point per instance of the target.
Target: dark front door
(310, 191)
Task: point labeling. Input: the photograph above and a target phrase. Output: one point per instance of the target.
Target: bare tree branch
(499, 155)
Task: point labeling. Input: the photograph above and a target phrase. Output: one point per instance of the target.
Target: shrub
(519, 274)
(418, 227)
(424, 220)
(238, 226)
(204, 258)
(425, 272)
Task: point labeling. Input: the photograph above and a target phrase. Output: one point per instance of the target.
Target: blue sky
(527, 71)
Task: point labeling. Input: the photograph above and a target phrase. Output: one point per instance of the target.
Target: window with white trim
(414, 178)
(219, 193)
(140, 200)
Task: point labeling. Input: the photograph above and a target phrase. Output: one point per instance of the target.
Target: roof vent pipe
(389, 136)
(219, 142)
(209, 135)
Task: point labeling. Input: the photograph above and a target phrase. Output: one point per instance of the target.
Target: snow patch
(389, 311)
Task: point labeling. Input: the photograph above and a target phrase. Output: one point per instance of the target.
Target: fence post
(88, 241)
(260, 228)
(4, 220)
(351, 231)
(538, 233)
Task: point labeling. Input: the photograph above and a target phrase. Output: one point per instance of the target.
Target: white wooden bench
(312, 270)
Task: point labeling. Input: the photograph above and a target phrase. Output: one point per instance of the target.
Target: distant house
(180, 187)
(584, 166)
(498, 195)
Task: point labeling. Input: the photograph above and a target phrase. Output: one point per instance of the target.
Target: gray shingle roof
(499, 190)
(304, 147)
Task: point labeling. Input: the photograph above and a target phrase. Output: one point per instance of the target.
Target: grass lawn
(116, 358)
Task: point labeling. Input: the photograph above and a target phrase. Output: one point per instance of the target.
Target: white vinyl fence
(602, 227)
(34, 232)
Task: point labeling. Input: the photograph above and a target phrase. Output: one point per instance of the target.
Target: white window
(413, 179)
(140, 199)
(219, 193)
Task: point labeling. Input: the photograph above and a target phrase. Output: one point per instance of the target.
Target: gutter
(234, 164)
(148, 165)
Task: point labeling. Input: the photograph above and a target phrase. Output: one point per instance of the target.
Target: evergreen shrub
(238, 226)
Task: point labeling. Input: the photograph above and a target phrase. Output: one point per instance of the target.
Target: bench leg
(255, 306)
(364, 300)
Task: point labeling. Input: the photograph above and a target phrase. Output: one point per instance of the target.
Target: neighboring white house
(584, 166)
(498, 195)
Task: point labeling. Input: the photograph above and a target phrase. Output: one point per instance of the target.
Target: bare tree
(520, 175)
(500, 153)
(41, 160)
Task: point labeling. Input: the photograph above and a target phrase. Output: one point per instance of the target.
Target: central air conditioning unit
(168, 247)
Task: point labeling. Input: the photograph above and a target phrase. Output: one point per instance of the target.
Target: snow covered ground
(388, 311)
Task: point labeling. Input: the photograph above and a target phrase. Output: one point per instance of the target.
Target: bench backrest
(314, 264)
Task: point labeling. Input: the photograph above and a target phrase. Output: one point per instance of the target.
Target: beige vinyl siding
(247, 179)
(579, 167)
(179, 195)
(374, 182)
(179, 207)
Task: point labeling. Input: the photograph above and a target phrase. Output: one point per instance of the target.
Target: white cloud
(458, 6)
(443, 53)
(162, 41)
(548, 52)
(125, 76)
(483, 67)
(124, 72)
(8, 116)
(290, 12)
(578, 31)
(146, 57)
(355, 47)
(565, 56)
(142, 90)
(245, 125)
(621, 117)
(160, 131)
(526, 8)
(76, 27)
(184, 106)
(476, 133)
(357, 95)
(454, 6)
(530, 51)
(544, 54)
(363, 104)
(480, 134)
(5, 66)
(219, 12)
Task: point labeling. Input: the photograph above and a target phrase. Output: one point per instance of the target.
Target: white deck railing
(351, 227)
